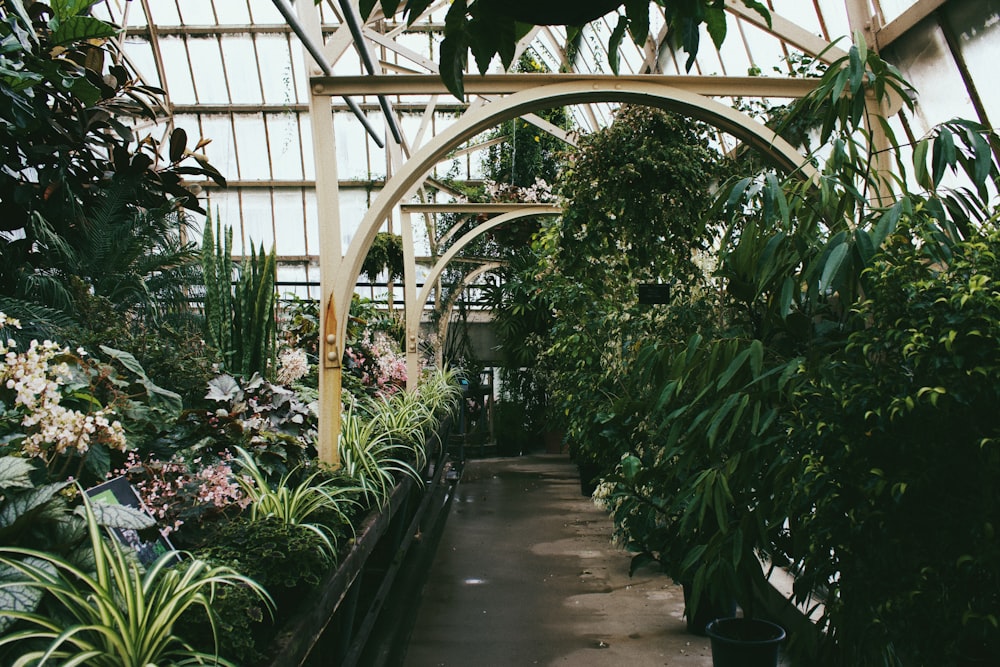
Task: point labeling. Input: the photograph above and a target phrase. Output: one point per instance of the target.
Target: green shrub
(896, 449)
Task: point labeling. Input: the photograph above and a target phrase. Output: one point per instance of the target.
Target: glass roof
(235, 72)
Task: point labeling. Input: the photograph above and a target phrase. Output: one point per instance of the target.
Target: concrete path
(525, 574)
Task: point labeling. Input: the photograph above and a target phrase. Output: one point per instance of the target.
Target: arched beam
(399, 188)
(414, 307)
(453, 297)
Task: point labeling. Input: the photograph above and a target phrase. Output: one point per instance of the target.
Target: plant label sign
(654, 293)
(118, 491)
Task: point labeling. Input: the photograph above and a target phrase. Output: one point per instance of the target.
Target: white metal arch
(414, 306)
(399, 187)
(411, 174)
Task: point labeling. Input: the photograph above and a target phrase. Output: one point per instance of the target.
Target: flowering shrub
(293, 365)
(48, 408)
(377, 362)
(180, 491)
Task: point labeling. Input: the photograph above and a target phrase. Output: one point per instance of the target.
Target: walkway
(525, 574)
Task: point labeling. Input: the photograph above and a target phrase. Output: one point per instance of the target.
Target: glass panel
(251, 146)
(196, 12)
(300, 78)
(893, 8)
(232, 12)
(222, 151)
(163, 13)
(978, 28)
(836, 21)
(264, 12)
(210, 80)
(225, 209)
(289, 222)
(240, 61)
(312, 223)
(924, 60)
(351, 138)
(178, 73)
(275, 69)
(257, 220)
(140, 52)
(418, 42)
(292, 273)
(353, 206)
(308, 157)
(286, 150)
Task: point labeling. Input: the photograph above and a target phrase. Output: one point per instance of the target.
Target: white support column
(330, 252)
(411, 307)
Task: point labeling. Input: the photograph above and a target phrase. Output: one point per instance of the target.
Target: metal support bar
(354, 24)
(317, 54)
(500, 84)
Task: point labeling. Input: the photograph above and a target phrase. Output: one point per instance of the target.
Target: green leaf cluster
(240, 314)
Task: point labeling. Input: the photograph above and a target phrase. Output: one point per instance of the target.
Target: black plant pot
(744, 642)
(709, 608)
(589, 478)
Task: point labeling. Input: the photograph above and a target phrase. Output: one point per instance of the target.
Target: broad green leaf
(760, 9)
(366, 7)
(943, 155)
(390, 7)
(733, 368)
(15, 594)
(637, 12)
(414, 8)
(631, 465)
(453, 56)
(118, 516)
(615, 42)
(64, 9)
(920, 165)
(715, 23)
(833, 263)
(164, 399)
(15, 473)
(82, 28)
(17, 507)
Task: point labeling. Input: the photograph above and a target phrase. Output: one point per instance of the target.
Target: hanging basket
(552, 12)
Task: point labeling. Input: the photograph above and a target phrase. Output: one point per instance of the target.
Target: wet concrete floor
(526, 574)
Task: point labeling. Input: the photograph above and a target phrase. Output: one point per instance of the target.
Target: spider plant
(372, 458)
(406, 420)
(295, 503)
(439, 390)
(116, 616)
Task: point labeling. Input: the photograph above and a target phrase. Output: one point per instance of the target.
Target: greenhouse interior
(491, 332)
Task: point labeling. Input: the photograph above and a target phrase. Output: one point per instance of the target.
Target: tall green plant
(77, 180)
(892, 465)
(241, 318)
